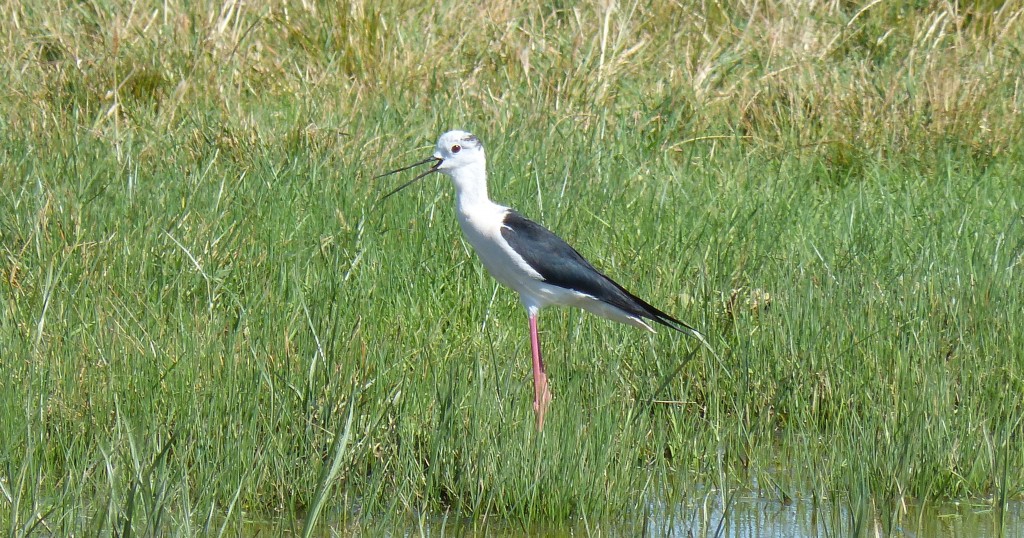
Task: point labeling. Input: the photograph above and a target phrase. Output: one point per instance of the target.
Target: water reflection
(755, 517)
(710, 515)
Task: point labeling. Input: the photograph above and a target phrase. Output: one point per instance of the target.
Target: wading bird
(528, 257)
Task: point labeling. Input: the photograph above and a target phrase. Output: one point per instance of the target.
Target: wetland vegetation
(206, 319)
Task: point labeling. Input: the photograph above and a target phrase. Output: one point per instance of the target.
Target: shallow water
(741, 516)
(755, 517)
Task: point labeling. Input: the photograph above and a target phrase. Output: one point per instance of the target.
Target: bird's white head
(460, 156)
(457, 150)
(462, 159)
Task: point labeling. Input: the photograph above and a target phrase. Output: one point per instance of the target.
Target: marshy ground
(206, 320)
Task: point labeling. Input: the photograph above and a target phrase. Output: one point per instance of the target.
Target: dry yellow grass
(835, 78)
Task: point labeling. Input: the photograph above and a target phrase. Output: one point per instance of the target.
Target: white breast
(482, 228)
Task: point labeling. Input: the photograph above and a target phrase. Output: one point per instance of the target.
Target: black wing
(560, 265)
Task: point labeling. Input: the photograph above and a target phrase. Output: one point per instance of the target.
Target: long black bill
(437, 162)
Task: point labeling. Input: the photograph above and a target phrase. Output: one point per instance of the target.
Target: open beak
(437, 163)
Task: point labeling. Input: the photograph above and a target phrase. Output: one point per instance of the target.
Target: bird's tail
(684, 328)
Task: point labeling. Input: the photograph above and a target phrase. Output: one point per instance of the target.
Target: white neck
(470, 186)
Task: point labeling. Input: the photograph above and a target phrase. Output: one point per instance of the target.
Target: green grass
(197, 285)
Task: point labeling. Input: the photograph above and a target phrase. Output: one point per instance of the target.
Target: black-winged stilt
(528, 257)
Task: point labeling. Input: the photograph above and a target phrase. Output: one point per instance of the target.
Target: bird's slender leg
(541, 394)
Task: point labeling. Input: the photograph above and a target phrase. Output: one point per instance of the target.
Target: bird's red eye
(456, 148)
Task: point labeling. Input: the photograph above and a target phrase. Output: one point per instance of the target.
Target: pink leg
(541, 394)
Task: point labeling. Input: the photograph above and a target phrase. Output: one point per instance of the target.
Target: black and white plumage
(561, 266)
(528, 257)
